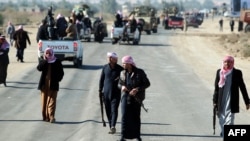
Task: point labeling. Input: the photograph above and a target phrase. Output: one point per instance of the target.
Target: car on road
(173, 22)
(194, 21)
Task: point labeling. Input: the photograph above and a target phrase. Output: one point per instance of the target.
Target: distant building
(34, 9)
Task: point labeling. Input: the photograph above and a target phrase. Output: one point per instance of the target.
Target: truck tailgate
(116, 32)
(60, 46)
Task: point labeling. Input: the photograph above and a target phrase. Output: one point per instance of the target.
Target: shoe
(221, 134)
(22, 61)
(52, 120)
(45, 119)
(112, 130)
(4, 83)
(138, 139)
(18, 59)
(122, 139)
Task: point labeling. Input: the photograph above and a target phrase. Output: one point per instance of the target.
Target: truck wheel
(77, 63)
(247, 28)
(148, 32)
(114, 41)
(154, 30)
(128, 42)
(135, 42)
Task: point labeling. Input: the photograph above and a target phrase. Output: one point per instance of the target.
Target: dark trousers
(3, 72)
(131, 120)
(221, 28)
(232, 28)
(19, 54)
(111, 108)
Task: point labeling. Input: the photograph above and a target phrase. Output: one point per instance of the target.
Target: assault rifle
(138, 99)
(141, 103)
(101, 103)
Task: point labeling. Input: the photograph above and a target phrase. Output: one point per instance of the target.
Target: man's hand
(133, 92)
(124, 88)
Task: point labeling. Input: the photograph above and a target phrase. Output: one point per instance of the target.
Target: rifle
(101, 103)
(138, 100)
(214, 117)
(141, 103)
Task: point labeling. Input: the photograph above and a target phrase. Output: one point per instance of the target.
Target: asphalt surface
(179, 100)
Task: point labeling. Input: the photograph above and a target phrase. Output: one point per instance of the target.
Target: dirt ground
(203, 48)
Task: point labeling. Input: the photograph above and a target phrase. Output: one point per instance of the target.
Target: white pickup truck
(70, 50)
(117, 35)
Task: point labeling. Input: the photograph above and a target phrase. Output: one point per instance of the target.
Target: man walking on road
(133, 83)
(232, 25)
(21, 38)
(228, 81)
(10, 30)
(221, 24)
(108, 86)
(52, 74)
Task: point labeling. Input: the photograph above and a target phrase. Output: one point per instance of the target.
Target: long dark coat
(237, 83)
(42, 33)
(109, 81)
(57, 74)
(130, 107)
(21, 38)
(4, 61)
(108, 84)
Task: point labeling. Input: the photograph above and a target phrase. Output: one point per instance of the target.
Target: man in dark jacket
(231, 23)
(4, 59)
(61, 26)
(108, 85)
(228, 81)
(42, 33)
(52, 74)
(21, 37)
(133, 84)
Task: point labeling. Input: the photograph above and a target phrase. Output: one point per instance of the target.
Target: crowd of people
(65, 28)
(129, 24)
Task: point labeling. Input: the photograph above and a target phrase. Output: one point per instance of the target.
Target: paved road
(179, 102)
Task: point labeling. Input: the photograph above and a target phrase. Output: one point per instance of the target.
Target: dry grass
(236, 44)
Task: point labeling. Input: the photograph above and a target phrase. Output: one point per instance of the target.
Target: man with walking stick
(108, 85)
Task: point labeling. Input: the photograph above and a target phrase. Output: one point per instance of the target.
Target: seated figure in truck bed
(71, 31)
(132, 24)
(118, 21)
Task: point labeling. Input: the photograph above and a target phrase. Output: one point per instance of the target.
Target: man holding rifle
(108, 88)
(133, 82)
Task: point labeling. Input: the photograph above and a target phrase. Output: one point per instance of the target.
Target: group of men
(231, 24)
(125, 84)
(60, 28)
(128, 23)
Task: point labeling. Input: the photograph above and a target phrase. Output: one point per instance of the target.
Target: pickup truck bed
(64, 50)
(117, 35)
